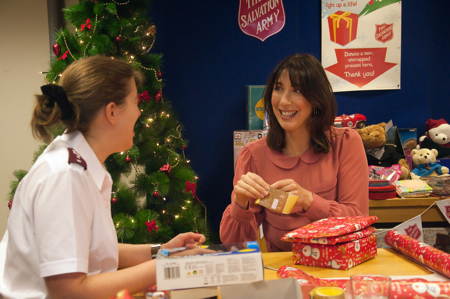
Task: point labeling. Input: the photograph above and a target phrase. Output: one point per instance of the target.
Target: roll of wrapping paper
(423, 253)
(400, 288)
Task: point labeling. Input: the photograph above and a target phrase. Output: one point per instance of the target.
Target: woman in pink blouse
(325, 166)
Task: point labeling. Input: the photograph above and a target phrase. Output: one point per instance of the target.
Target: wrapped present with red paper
(418, 288)
(343, 26)
(335, 242)
(425, 254)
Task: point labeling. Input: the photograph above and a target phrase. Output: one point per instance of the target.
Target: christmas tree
(154, 191)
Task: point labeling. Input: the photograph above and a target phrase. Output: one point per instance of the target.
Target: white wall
(24, 53)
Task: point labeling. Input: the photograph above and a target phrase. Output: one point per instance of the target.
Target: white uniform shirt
(60, 221)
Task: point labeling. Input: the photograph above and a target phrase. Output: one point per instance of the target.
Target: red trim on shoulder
(74, 157)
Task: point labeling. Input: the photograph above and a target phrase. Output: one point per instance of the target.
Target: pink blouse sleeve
(352, 182)
(238, 224)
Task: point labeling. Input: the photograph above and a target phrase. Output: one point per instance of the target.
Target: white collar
(96, 169)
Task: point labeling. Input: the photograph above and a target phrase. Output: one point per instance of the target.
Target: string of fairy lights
(85, 36)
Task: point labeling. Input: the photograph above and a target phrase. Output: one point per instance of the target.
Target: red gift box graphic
(343, 26)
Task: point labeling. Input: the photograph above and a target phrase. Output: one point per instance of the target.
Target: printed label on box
(230, 264)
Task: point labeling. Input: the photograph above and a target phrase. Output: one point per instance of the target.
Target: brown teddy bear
(378, 152)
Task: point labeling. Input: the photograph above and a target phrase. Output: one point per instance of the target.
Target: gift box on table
(343, 26)
(335, 242)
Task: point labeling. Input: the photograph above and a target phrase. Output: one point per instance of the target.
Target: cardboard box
(408, 142)
(343, 26)
(242, 138)
(255, 107)
(230, 264)
(341, 256)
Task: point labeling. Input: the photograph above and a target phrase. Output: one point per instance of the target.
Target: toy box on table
(244, 137)
(335, 242)
(229, 264)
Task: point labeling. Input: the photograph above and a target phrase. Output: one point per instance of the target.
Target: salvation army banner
(412, 228)
(444, 206)
(261, 18)
(361, 44)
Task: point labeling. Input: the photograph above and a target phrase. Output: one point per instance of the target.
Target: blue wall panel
(208, 61)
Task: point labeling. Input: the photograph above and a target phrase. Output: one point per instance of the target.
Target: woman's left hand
(188, 240)
(305, 197)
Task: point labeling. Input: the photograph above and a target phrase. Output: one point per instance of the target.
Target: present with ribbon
(335, 242)
(343, 26)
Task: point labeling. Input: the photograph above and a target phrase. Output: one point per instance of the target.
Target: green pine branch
(148, 204)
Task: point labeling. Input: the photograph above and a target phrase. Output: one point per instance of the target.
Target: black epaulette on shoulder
(75, 157)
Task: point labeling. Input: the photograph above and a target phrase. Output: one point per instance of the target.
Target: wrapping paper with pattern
(334, 240)
(341, 256)
(404, 288)
(428, 255)
(331, 227)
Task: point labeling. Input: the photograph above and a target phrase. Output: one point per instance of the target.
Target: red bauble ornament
(128, 158)
(10, 204)
(158, 96)
(114, 199)
(165, 167)
(159, 74)
(118, 38)
(56, 49)
(155, 194)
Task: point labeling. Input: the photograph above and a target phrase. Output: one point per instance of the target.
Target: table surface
(386, 262)
(396, 210)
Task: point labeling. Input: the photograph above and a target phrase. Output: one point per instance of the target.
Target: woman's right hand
(249, 188)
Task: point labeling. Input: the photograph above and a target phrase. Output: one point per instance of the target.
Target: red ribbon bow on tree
(86, 25)
(192, 187)
(151, 226)
(144, 96)
(165, 167)
(64, 56)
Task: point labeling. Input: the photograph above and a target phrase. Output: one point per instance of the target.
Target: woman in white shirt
(60, 240)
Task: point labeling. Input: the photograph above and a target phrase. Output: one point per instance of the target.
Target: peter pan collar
(286, 162)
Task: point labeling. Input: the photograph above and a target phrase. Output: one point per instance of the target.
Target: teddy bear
(424, 160)
(380, 153)
(437, 137)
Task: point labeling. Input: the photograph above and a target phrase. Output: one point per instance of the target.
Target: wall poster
(361, 44)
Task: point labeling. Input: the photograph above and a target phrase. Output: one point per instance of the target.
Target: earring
(316, 112)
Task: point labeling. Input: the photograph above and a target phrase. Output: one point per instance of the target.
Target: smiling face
(290, 107)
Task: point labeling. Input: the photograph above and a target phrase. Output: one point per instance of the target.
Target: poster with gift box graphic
(361, 44)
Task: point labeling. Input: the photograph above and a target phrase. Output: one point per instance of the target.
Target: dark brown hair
(89, 84)
(307, 75)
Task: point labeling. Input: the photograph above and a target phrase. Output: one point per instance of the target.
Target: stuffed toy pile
(437, 137)
(378, 152)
